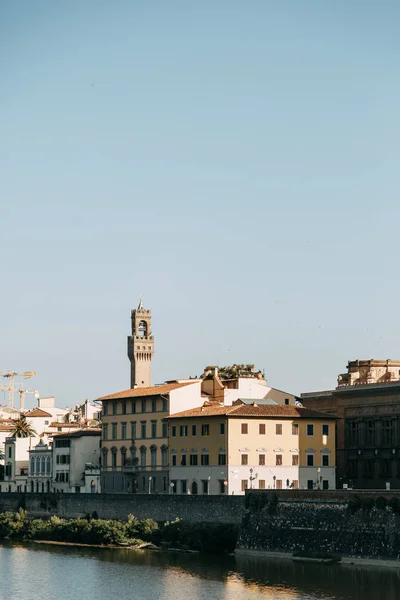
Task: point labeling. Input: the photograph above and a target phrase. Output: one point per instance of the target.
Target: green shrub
(394, 504)
(354, 504)
(381, 503)
(367, 504)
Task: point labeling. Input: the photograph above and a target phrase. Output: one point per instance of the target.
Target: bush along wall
(358, 527)
(201, 537)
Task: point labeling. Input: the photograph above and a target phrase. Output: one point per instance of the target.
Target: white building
(76, 461)
(40, 468)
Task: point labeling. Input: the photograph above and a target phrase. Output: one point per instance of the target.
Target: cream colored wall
(247, 388)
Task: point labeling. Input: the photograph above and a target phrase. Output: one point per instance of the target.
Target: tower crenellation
(141, 347)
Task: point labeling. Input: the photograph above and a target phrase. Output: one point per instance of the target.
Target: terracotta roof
(79, 433)
(72, 425)
(4, 427)
(243, 410)
(154, 390)
(37, 412)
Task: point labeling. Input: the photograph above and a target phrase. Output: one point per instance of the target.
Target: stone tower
(141, 347)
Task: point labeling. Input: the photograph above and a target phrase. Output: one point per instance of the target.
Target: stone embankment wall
(364, 525)
(197, 509)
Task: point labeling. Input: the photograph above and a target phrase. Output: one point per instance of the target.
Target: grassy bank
(202, 537)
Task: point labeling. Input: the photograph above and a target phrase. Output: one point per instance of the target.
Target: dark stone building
(367, 400)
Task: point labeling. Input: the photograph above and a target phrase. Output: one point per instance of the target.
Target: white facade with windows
(40, 473)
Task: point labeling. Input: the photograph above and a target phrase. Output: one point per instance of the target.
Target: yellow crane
(10, 388)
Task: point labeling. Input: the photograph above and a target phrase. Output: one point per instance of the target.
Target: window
(124, 408)
(114, 408)
(143, 406)
(183, 486)
(325, 429)
(352, 467)
(278, 460)
(32, 466)
(174, 485)
(123, 456)
(205, 460)
(114, 431)
(295, 429)
(325, 484)
(370, 433)
(133, 430)
(105, 432)
(244, 485)
(286, 401)
(123, 431)
(310, 460)
(153, 405)
(245, 459)
(133, 455)
(352, 434)
(369, 468)
(173, 430)
(133, 407)
(261, 459)
(105, 457)
(295, 484)
(295, 460)
(261, 429)
(173, 460)
(194, 430)
(183, 460)
(154, 429)
(193, 460)
(387, 432)
(105, 409)
(261, 484)
(244, 428)
(279, 484)
(164, 427)
(183, 430)
(143, 429)
(325, 460)
(310, 429)
(205, 430)
(222, 428)
(164, 405)
(386, 468)
(278, 429)
(205, 485)
(222, 458)
(114, 457)
(142, 456)
(153, 456)
(63, 443)
(9, 452)
(222, 486)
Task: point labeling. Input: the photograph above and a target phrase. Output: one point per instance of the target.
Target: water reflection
(99, 573)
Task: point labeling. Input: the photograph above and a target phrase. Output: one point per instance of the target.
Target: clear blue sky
(235, 162)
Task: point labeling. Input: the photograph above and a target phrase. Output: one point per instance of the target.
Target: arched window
(32, 487)
(194, 488)
(37, 487)
(48, 465)
(113, 457)
(42, 487)
(43, 467)
(105, 457)
(164, 456)
(142, 329)
(123, 456)
(153, 456)
(133, 455)
(143, 456)
(32, 466)
(37, 465)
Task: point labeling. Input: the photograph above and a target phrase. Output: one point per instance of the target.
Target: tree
(22, 428)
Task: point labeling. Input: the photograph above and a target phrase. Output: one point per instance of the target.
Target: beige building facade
(141, 347)
(227, 450)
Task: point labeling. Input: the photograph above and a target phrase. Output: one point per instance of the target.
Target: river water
(46, 572)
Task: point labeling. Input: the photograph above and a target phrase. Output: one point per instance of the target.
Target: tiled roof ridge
(153, 390)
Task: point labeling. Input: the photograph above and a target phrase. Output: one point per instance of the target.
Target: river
(46, 572)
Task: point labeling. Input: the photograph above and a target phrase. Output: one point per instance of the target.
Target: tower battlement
(141, 347)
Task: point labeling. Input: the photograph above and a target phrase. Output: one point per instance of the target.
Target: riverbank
(134, 533)
(345, 560)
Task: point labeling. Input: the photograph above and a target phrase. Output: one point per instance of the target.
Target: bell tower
(140, 347)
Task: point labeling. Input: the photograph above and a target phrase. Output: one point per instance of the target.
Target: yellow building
(135, 435)
(216, 449)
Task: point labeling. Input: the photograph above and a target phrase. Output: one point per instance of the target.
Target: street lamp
(319, 478)
(150, 478)
(171, 487)
(252, 477)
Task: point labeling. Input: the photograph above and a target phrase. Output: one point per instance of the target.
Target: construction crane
(22, 393)
(11, 387)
